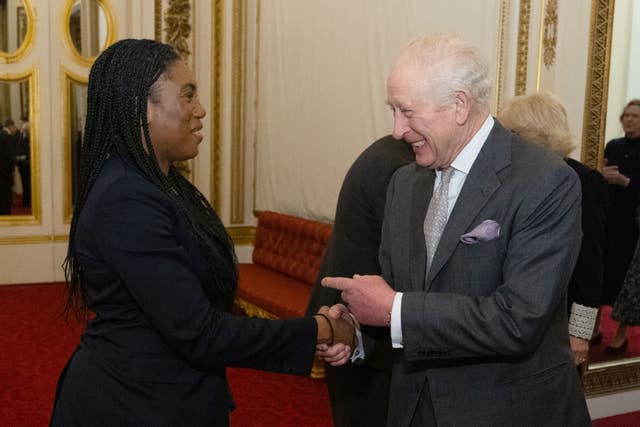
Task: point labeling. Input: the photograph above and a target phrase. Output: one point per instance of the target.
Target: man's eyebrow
(190, 86)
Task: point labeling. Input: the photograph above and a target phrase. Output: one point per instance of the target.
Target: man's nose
(400, 125)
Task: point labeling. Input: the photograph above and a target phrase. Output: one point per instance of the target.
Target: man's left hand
(370, 298)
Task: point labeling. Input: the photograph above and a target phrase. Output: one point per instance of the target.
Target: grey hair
(449, 64)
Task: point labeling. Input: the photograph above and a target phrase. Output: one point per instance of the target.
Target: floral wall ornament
(177, 21)
(523, 47)
(550, 37)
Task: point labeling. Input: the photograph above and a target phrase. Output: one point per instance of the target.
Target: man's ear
(462, 107)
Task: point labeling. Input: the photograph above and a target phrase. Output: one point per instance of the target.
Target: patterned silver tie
(436, 217)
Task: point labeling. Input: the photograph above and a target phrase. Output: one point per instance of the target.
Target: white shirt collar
(469, 153)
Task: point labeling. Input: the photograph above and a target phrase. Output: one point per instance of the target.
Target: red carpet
(35, 343)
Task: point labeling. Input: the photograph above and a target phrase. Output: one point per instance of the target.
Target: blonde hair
(541, 119)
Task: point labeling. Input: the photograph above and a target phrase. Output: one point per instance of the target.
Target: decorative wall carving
(177, 20)
(597, 83)
(550, 36)
(523, 47)
(502, 34)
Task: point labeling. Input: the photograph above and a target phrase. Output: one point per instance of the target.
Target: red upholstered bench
(286, 258)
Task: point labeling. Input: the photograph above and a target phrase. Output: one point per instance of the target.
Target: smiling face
(437, 134)
(631, 121)
(174, 114)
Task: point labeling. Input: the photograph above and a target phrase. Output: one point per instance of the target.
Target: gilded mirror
(89, 28)
(16, 29)
(75, 110)
(606, 373)
(19, 190)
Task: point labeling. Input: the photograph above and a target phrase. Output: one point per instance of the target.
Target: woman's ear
(151, 111)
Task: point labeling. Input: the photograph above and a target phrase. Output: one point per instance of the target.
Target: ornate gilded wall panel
(523, 47)
(238, 109)
(597, 82)
(216, 101)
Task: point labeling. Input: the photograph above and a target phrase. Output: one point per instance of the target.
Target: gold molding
(255, 104)
(110, 38)
(35, 218)
(504, 13)
(61, 238)
(597, 88)
(238, 109)
(216, 101)
(25, 47)
(522, 57)
(157, 20)
(550, 36)
(252, 310)
(242, 235)
(68, 79)
(25, 240)
(611, 377)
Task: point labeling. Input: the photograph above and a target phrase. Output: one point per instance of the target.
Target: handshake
(370, 300)
(336, 334)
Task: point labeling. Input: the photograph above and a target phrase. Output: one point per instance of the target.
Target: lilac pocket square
(487, 230)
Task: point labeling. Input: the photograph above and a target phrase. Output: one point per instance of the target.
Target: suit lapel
(480, 184)
(421, 195)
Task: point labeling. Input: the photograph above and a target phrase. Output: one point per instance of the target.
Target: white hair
(448, 65)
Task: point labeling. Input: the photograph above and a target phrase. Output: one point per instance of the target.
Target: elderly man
(479, 239)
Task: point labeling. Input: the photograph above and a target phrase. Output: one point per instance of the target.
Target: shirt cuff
(358, 352)
(582, 320)
(396, 321)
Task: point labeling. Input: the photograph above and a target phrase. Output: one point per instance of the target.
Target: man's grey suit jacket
(485, 335)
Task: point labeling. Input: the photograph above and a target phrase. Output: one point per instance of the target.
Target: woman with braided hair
(151, 259)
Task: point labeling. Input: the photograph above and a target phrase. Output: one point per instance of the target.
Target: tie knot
(446, 175)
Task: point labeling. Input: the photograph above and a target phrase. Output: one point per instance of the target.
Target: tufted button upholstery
(286, 258)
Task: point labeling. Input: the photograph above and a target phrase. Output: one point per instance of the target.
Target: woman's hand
(613, 176)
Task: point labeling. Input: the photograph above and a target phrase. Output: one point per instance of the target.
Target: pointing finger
(339, 283)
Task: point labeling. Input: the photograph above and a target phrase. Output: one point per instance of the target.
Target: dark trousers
(359, 395)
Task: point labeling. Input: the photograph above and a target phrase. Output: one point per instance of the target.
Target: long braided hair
(121, 81)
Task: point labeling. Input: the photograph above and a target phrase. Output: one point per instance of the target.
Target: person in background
(359, 392)
(542, 119)
(8, 140)
(23, 154)
(151, 259)
(479, 239)
(622, 172)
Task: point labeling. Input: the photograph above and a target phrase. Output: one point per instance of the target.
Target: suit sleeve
(136, 233)
(541, 252)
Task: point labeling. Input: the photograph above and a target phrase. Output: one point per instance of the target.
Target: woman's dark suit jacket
(585, 285)
(156, 351)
